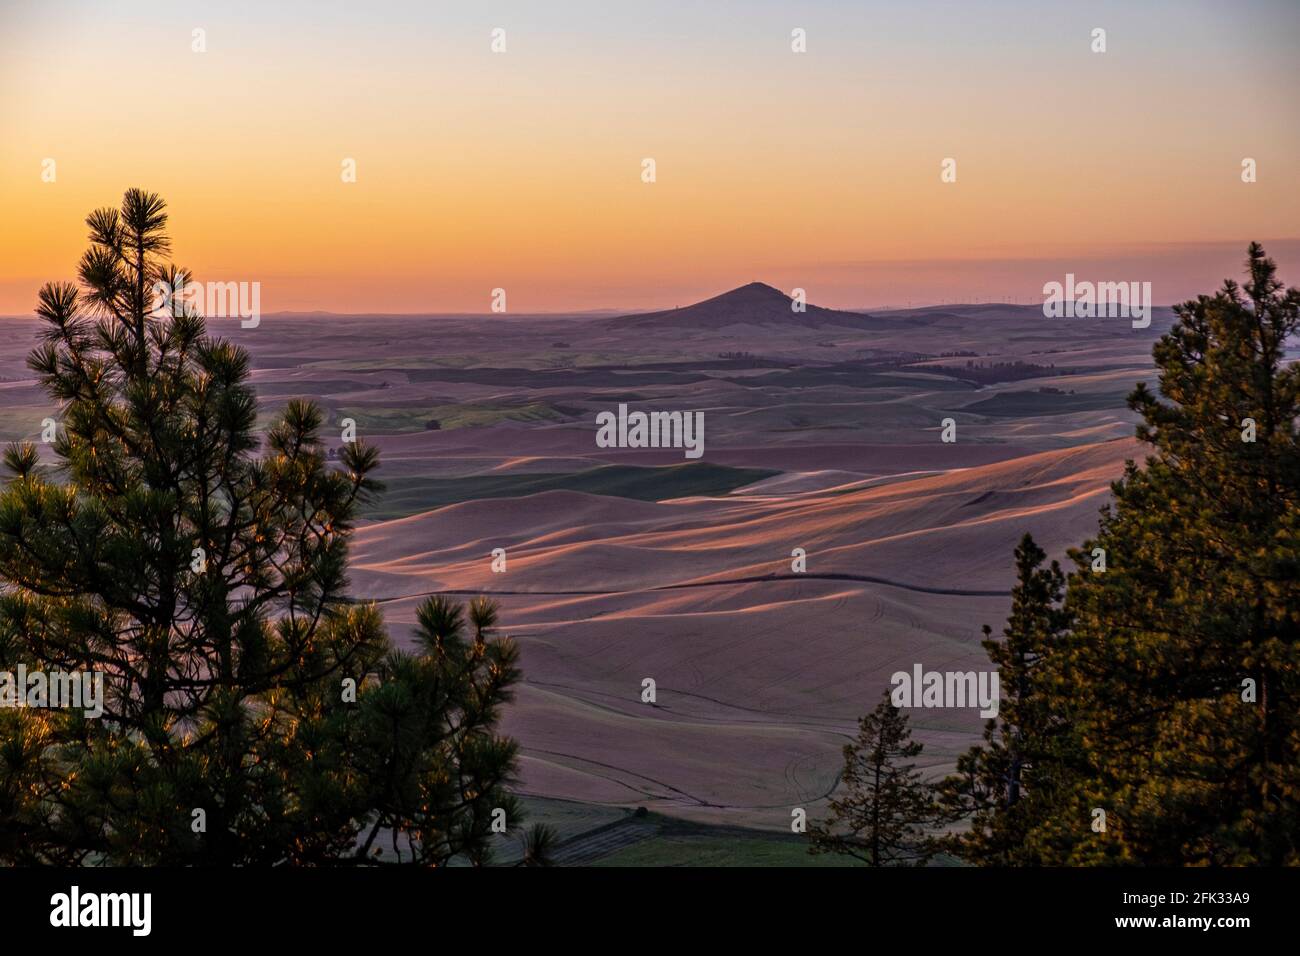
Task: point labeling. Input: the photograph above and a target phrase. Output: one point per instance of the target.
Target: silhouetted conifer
(884, 813)
(1003, 785)
(203, 574)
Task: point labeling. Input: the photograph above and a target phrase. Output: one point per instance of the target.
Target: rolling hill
(753, 304)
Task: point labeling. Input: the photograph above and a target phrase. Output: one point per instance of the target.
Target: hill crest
(756, 303)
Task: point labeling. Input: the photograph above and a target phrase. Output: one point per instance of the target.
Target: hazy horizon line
(1178, 271)
(601, 313)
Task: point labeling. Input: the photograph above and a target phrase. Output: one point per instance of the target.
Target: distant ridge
(753, 304)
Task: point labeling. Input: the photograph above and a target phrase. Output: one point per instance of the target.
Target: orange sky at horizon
(522, 169)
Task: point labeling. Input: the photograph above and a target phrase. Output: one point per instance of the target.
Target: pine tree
(883, 816)
(1181, 672)
(251, 712)
(1002, 786)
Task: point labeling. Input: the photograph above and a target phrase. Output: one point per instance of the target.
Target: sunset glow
(521, 170)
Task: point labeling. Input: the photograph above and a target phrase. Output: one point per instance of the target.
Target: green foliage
(1011, 781)
(882, 816)
(203, 574)
(1167, 692)
(1201, 593)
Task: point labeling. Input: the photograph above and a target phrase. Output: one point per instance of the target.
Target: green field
(411, 495)
(412, 418)
(19, 422)
(683, 845)
(1033, 404)
(677, 843)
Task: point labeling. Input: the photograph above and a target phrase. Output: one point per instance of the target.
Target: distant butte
(754, 304)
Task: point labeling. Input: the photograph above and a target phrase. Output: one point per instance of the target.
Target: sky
(522, 169)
